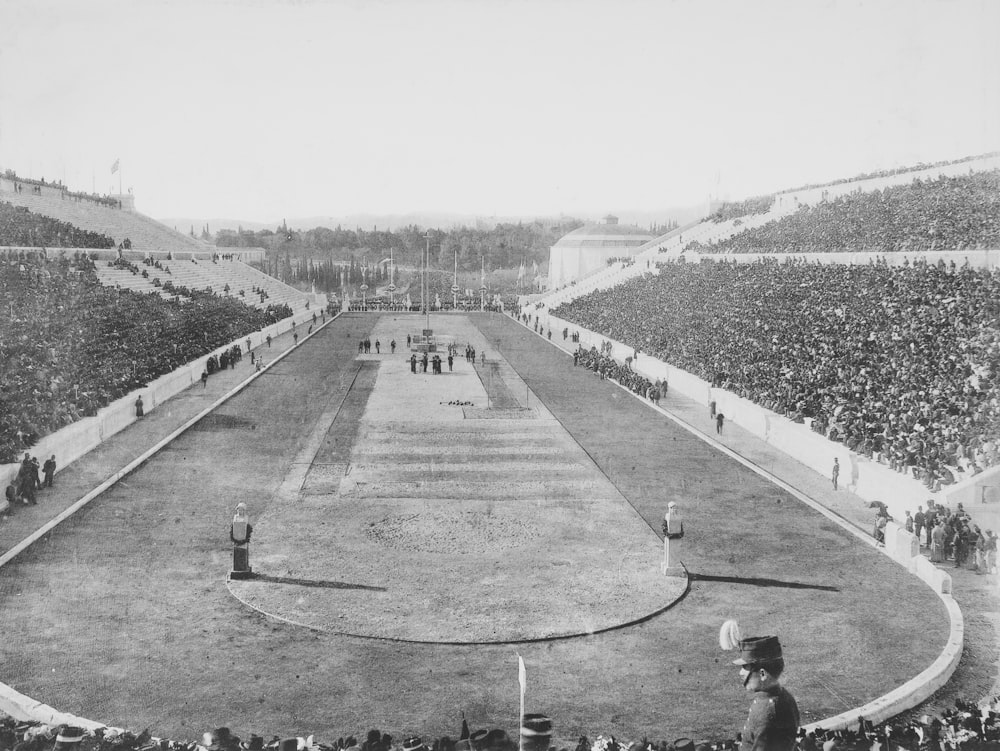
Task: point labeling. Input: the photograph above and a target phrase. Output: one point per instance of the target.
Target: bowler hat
(536, 726)
(256, 743)
(758, 649)
(69, 736)
(413, 743)
(478, 740)
(683, 744)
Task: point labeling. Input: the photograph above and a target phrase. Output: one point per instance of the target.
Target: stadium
(462, 492)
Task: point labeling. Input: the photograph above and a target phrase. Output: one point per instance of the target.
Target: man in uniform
(774, 716)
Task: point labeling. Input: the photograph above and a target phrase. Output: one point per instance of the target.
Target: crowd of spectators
(69, 346)
(606, 366)
(890, 172)
(737, 209)
(966, 727)
(35, 186)
(899, 363)
(272, 313)
(949, 213)
(22, 228)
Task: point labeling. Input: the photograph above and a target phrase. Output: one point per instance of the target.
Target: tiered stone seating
(670, 245)
(144, 232)
(110, 276)
(199, 274)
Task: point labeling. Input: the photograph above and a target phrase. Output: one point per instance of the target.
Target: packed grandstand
(897, 362)
(967, 726)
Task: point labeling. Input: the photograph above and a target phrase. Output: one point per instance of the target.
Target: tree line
(500, 246)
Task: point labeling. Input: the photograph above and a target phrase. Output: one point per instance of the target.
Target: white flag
(114, 167)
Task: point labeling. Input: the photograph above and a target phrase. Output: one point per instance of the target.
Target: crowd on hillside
(949, 213)
(966, 727)
(69, 346)
(901, 364)
(22, 228)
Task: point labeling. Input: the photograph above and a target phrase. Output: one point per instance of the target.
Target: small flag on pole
(114, 167)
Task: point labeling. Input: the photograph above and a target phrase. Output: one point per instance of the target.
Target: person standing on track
(49, 469)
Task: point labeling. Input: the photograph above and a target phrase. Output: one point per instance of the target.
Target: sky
(263, 109)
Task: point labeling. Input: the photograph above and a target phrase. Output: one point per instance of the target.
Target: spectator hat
(536, 726)
(69, 736)
(757, 649)
(477, 740)
(224, 736)
(672, 504)
(288, 744)
(413, 743)
(210, 741)
(536, 732)
(256, 743)
(683, 744)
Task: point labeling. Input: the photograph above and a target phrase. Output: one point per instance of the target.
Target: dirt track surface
(122, 614)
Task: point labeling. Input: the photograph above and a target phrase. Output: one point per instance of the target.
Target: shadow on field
(756, 581)
(312, 583)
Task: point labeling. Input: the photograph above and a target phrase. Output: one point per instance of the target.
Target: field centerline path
(303, 461)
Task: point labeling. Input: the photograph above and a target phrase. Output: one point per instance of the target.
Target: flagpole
(522, 679)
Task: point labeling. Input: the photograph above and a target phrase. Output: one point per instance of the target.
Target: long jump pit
(451, 508)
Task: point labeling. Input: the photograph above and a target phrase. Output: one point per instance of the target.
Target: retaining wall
(860, 475)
